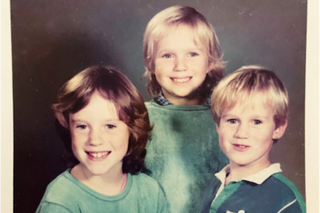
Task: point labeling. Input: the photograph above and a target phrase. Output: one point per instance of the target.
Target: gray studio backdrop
(53, 40)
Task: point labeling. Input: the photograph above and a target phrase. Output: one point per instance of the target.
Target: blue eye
(193, 54)
(167, 56)
(110, 126)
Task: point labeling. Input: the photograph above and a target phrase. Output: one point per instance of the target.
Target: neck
(238, 172)
(107, 184)
(184, 101)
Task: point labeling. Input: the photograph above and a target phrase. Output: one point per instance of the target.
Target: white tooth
(99, 155)
(181, 80)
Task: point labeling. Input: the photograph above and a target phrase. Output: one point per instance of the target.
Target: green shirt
(184, 153)
(65, 194)
(267, 191)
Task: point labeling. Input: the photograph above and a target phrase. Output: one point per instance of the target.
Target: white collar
(257, 178)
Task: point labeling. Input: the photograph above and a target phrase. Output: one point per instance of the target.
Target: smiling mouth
(98, 155)
(181, 80)
(240, 147)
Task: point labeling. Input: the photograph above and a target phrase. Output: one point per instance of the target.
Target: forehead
(181, 32)
(258, 102)
(98, 106)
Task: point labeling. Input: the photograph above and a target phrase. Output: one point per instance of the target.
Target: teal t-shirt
(184, 153)
(65, 194)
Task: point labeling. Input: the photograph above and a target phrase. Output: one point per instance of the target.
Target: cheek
(123, 142)
(75, 148)
(202, 66)
(158, 66)
(76, 138)
(222, 141)
(159, 72)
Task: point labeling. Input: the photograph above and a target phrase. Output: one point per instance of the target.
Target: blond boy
(183, 60)
(250, 108)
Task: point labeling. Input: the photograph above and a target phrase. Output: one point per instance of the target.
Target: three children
(183, 60)
(109, 128)
(250, 108)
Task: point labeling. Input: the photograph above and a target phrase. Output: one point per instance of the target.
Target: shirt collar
(161, 100)
(257, 178)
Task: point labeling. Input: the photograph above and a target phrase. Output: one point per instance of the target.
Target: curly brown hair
(75, 94)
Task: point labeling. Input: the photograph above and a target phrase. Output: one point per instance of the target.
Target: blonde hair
(203, 33)
(245, 82)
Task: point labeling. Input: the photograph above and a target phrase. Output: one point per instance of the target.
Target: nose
(95, 138)
(180, 64)
(242, 131)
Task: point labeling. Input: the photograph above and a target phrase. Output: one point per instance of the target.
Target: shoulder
(288, 188)
(62, 191)
(281, 183)
(146, 185)
(47, 207)
(281, 192)
(145, 180)
(151, 105)
(148, 190)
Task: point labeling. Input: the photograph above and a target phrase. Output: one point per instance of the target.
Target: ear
(217, 128)
(210, 67)
(279, 131)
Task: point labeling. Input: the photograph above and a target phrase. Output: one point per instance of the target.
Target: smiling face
(99, 138)
(181, 65)
(246, 132)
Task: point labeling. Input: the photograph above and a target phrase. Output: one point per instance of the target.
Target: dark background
(53, 40)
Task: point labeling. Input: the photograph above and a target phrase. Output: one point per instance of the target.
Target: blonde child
(250, 108)
(108, 124)
(183, 60)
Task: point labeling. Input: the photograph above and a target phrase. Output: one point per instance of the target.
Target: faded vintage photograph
(52, 41)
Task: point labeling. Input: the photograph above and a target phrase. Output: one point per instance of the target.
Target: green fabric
(65, 194)
(184, 153)
(294, 189)
(227, 191)
(276, 194)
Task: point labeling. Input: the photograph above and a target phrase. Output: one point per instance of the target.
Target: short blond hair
(203, 33)
(245, 82)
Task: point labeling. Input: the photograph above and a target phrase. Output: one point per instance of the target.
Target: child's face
(246, 132)
(180, 65)
(99, 138)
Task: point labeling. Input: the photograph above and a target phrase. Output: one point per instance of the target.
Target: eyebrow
(107, 120)
(169, 49)
(253, 117)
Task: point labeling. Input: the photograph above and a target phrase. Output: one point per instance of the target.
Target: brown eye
(81, 126)
(232, 121)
